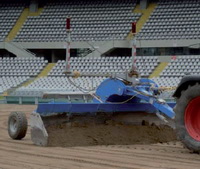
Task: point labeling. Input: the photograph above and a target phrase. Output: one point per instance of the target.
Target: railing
(84, 52)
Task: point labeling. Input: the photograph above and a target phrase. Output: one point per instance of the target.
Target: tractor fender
(185, 82)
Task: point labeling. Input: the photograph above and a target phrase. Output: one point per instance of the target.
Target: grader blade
(80, 124)
(39, 135)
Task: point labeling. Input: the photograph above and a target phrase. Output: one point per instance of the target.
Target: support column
(53, 57)
(36, 100)
(20, 100)
(144, 4)
(33, 6)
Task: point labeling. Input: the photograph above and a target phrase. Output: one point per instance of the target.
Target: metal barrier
(36, 100)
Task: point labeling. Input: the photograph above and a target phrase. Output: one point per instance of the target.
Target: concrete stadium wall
(104, 46)
(76, 45)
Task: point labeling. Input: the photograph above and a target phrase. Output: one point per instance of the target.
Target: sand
(24, 155)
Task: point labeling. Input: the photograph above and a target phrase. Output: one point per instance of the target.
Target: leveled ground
(23, 154)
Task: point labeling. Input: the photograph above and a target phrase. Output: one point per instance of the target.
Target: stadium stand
(177, 19)
(21, 66)
(183, 65)
(167, 81)
(106, 65)
(55, 81)
(7, 82)
(98, 20)
(14, 71)
(90, 20)
(58, 84)
(9, 14)
(175, 70)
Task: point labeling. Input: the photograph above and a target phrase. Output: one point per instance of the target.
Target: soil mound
(108, 134)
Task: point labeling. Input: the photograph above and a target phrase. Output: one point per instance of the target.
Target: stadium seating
(176, 69)
(175, 19)
(98, 20)
(57, 84)
(7, 82)
(183, 65)
(104, 65)
(55, 81)
(9, 14)
(167, 81)
(21, 66)
(90, 20)
(14, 71)
(102, 20)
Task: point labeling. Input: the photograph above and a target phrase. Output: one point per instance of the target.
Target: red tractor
(187, 111)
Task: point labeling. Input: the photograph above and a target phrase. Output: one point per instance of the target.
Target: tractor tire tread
(22, 125)
(186, 96)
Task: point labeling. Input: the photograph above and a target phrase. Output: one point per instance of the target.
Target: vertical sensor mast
(67, 66)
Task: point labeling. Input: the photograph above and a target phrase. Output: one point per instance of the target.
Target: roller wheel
(187, 118)
(17, 125)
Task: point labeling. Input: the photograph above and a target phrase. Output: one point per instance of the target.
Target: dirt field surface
(24, 155)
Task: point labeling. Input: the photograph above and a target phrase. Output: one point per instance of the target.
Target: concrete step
(16, 28)
(46, 70)
(143, 19)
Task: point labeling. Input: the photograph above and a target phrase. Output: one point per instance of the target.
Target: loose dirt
(110, 134)
(22, 154)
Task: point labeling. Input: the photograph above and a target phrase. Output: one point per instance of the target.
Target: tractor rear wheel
(187, 118)
(17, 125)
